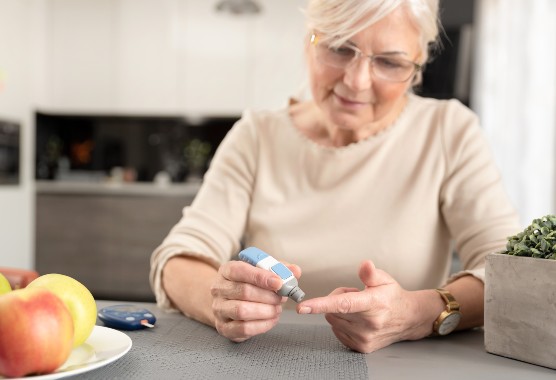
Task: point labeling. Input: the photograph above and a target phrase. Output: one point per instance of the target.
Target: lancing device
(260, 259)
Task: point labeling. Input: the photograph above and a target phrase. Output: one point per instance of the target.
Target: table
(458, 356)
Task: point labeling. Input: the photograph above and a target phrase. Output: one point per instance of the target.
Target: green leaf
(537, 240)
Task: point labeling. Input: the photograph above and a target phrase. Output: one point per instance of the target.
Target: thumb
(371, 276)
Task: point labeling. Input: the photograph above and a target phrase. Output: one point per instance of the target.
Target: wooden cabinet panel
(104, 241)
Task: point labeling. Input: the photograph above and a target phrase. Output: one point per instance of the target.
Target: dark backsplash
(9, 152)
(93, 145)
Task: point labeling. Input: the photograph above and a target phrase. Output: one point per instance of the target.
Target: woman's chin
(349, 121)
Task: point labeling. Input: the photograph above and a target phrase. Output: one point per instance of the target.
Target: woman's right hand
(245, 302)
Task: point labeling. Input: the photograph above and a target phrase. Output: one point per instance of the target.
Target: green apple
(78, 300)
(5, 286)
(36, 332)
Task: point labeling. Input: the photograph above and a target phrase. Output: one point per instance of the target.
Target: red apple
(36, 332)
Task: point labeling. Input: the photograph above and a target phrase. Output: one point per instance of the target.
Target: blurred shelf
(187, 189)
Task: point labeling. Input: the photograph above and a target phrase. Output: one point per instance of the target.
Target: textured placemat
(187, 349)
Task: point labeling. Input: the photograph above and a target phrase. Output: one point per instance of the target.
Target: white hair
(339, 20)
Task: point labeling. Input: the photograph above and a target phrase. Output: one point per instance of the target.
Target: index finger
(239, 271)
(345, 303)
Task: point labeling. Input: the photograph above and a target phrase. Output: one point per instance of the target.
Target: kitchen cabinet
(146, 66)
(171, 56)
(214, 50)
(277, 61)
(108, 56)
(104, 235)
(232, 62)
(79, 55)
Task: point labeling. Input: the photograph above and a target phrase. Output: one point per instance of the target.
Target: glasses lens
(337, 57)
(392, 68)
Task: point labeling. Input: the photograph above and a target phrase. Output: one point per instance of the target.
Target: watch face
(449, 324)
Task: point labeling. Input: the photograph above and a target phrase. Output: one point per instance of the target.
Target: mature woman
(365, 175)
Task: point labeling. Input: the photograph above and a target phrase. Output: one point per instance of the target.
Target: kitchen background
(110, 111)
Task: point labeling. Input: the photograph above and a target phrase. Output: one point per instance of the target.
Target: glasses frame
(359, 54)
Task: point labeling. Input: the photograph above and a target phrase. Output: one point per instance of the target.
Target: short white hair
(339, 20)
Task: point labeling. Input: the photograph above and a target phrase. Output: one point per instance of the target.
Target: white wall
(514, 95)
(20, 55)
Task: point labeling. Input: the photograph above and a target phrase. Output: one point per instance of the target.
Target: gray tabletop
(301, 347)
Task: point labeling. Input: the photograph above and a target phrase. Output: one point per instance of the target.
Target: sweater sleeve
(473, 201)
(211, 228)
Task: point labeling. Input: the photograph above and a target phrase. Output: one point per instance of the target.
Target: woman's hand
(375, 317)
(244, 300)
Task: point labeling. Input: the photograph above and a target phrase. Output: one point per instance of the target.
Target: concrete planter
(520, 308)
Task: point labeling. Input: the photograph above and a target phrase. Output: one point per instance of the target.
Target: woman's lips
(348, 103)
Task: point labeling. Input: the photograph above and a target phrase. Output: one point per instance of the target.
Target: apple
(78, 300)
(5, 286)
(36, 332)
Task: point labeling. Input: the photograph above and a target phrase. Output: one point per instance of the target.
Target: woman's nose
(358, 74)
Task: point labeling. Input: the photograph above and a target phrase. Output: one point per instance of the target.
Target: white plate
(103, 346)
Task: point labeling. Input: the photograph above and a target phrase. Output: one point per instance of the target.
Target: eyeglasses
(383, 66)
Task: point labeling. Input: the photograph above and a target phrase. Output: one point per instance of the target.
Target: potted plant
(520, 296)
(196, 153)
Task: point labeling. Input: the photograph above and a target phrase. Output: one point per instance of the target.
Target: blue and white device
(260, 259)
(126, 317)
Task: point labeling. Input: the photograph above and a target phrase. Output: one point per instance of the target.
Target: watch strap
(451, 303)
(452, 307)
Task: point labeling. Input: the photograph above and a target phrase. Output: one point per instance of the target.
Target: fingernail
(273, 282)
(304, 310)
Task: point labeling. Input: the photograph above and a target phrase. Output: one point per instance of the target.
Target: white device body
(263, 260)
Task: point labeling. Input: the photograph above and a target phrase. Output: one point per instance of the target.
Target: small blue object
(261, 259)
(126, 317)
(282, 271)
(252, 255)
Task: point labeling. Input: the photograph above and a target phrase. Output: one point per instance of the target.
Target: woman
(365, 175)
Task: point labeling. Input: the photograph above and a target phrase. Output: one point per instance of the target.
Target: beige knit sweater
(405, 198)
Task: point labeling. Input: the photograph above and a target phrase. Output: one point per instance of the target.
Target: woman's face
(352, 97)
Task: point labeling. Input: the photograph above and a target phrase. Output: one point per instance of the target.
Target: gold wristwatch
(449, 319)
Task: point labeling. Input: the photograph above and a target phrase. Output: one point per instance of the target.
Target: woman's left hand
(375, 317)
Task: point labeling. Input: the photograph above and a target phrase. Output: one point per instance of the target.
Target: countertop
(197, 351)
